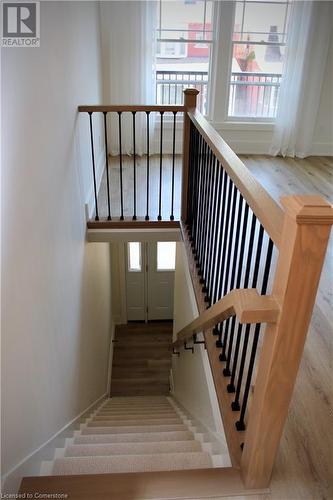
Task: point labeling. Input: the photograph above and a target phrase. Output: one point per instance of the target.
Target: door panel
(150, 280)
(161, 277)
(135, 281)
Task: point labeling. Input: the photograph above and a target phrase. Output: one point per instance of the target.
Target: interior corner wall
(193, 385)
(56, 313)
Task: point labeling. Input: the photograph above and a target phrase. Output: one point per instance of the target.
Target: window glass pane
(134, 256)
(176, 14)
(257, 64)
(166, 255)
(182, 56)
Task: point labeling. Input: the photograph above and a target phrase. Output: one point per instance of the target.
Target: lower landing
(196, 484)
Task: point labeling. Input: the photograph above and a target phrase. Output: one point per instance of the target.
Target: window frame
(222, 65)
(210, 42)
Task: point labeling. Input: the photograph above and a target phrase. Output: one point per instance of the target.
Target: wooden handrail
(269, 213)
(130, 107)
(246, 304)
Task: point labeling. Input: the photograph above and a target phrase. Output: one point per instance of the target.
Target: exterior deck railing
(252, 94)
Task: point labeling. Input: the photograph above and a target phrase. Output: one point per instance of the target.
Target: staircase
(135, 434)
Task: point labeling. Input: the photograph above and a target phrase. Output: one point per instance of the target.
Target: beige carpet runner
(133, 434)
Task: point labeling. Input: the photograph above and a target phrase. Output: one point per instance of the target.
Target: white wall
(56, 287)
(192, 378)
(323, 135)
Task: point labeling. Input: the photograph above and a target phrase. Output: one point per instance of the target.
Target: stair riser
(125, 423)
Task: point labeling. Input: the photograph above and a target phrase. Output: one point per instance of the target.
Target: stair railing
(239, 240)
(121, 204)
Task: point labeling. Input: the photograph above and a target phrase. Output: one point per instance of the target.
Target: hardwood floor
(141, 191)
(141, 359)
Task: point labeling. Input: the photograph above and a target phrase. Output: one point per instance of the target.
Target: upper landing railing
(255, 267)
(145, 184)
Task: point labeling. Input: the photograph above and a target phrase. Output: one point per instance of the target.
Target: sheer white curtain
(310, 29)
(128, 51)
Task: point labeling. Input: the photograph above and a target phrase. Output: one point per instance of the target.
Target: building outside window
(191, 32)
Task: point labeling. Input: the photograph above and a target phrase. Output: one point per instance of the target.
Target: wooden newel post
(304, 239)
(190, 103)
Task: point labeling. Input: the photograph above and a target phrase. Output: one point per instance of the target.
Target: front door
(150, 274)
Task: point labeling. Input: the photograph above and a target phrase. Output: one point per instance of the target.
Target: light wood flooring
(141, 191)
(141, 359)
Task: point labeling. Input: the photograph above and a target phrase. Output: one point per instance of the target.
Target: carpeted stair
(135, 434)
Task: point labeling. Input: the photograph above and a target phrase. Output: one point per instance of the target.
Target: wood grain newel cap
(308, 209)
(191, 92)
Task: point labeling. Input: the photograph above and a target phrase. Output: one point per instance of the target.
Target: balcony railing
(252, 94)
(170, 86)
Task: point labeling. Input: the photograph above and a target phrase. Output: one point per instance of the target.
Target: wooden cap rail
(247, 305)
(269, 213)
(129, 107)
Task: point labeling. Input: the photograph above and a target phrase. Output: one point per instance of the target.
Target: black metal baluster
(120, 169)
(208, 232)
(189, 220)
(231, 385)
(210, 228)
(202, 209)
(107, 165)
(134, 168)
(227, 266)
(235, 404)
(173, 164)
(206, 219)
(217, 206)
(93, 164)
(241, 423)
(222, 267)
(197, 192)
(220, 237)
(226, 370)
(159, 217)
(147, 201)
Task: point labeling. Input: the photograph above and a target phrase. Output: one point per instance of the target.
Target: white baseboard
(30, 465)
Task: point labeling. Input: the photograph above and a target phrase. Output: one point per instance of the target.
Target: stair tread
(132, 448)
(127, 423)
(134, 437)
(134, 428)
(131, 463)
(133, 416)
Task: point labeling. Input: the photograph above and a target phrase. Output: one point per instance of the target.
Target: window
(134, 256)
(258, 49)
(184, 35)
(166, 255)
